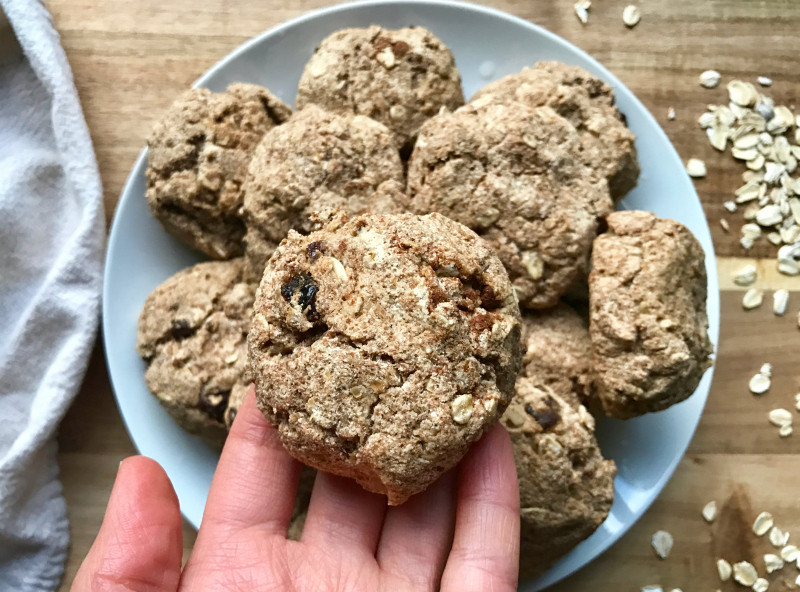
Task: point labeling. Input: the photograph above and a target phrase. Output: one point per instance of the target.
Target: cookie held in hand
(383, 346)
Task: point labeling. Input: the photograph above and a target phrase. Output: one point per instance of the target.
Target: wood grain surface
(130, 59)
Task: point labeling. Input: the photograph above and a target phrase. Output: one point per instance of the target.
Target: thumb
(139, 546)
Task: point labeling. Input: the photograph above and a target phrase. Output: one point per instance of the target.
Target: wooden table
(130, 59)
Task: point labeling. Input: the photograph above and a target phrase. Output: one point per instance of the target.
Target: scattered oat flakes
(797, 401)
(724, 570)
(710, 511)
(760, 585)
(764, 81)
(762, 524)
(779, 417)
(752, 298)
(777, 537)
(710, 79)
(662, 543)
(582, 10)
(746, 276)
(766, 369)
(759, 384)
(785, 430)
(730, 206)
(671, 113)
(631, 15)
(772, 562)
(745, 573)
(790, 553)
(725, 226)
(696, 168)
(779, 301)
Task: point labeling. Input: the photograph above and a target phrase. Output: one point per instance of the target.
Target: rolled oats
(762, 524)
(662, 543)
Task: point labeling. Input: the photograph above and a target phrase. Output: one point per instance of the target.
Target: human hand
(460, 534)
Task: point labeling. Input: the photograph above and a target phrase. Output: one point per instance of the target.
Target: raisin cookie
(400, 78)
(316, 163)
(648, 323)
(587, 103)
(382, 347)
(514, 175)
(558, 354)
(566, 488)
(197, 161)
(193, 336)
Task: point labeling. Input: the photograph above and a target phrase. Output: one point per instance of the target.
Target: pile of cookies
(374, 250)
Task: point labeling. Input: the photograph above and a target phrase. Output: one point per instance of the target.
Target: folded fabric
(51, 244)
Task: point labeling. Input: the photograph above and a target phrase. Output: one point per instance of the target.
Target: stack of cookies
(397, 271)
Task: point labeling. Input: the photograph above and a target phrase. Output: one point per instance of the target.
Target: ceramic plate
(141, 255)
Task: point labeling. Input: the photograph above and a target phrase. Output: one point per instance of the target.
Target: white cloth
(52, 234)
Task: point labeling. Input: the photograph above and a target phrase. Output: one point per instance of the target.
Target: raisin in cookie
(316, 163)
(566, 488)
(383, 346)
(588, 103)
(197, 161)
(514, 175)
(649, 327)
(558, 354)
(400, 78)
(193, 335)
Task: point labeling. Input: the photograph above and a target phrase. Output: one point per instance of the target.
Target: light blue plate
(487, 44)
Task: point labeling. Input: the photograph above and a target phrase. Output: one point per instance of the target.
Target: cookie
(515, 176)
(316, 163)
(587, 103)
(382, 347)
(400, 77)
(649, 329)
(566, 488)
(197, 161)
(558, 354)
(193, 336)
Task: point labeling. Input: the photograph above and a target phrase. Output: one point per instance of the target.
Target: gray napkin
(51, 243)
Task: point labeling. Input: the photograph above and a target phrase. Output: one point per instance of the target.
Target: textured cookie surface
(197, 161)
(400, 78)
(317, 162)
(566, 488)
(558, 353)
(193, 335)
(383, 346)
(648, 327)
(516, 176)
(588, 103)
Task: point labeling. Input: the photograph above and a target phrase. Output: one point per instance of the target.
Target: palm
(351, 540)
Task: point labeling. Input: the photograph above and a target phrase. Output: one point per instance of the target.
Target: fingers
(255, 481)
(139, 546)
(417, 535)
(485, 553)
(342, 513)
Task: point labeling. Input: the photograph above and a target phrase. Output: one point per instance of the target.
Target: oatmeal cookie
(316, 163)
(566, 488)
(197, 161)
(515, 176)
(558, 354)
(588, 103)
(193, 336)
(648, 324)
(383, 346)
(400, 78)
